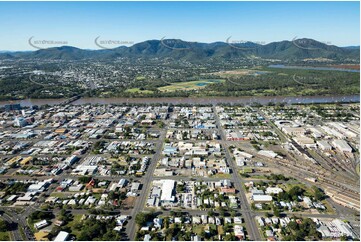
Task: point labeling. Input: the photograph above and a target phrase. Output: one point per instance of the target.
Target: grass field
(137, 90)
(4, 236)
(140, 78)
(222, 176)
(76, 220)
(186, 86)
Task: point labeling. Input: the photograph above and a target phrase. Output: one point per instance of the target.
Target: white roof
(62, 236)
(262, 198)
(167, 190)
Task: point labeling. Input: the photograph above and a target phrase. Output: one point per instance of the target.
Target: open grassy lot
(137, 90)
(75, 221)
(192, 85)
(222, 176)
(4, 236)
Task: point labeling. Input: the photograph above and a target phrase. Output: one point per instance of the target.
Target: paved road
(251, 226)
(21, 223)
(14, 234)
(146, 181)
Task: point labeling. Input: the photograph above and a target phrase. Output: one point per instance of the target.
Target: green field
(137, 90)
(4, 236)
(186, 86)
(75, 221)
(140, 78)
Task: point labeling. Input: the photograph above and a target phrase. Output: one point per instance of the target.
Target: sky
(80, 23)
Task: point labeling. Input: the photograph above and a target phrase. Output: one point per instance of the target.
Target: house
(135, 187)
(237, 220)
(227, 220)
(308, 202)
(41, 224)
(269, 233)
(196, 220)
(262, 198)
(197, 238)
(238, 232)
(255, 191)
(273, 190)
(147, 237)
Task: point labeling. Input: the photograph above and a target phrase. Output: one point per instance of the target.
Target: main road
(247, 213)
(146, 181)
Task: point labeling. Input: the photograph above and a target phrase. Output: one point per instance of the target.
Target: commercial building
(342, 145)
(167, 191)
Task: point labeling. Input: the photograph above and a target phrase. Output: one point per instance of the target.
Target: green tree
(4, 226)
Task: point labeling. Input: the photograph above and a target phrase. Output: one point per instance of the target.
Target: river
(194, 100)
(313, 68)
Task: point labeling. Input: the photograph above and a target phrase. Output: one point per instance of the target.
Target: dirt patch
(128, 202)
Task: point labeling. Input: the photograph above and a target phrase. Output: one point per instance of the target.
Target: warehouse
(167, 191)
(324, 145)
(342, 146)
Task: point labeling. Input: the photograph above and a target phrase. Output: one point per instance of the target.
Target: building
(273, 190)
(167, 191)
(305, 141)
(324, 145)
(41, 224)
(342, 146)
(135, 187)
(262, 198)
(238, 232)
(62, 236)
(268, 153)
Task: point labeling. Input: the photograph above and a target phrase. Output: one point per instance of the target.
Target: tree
(142, 218)
(276, 212)
(210, 213)
(268, 215)
(4, 226)
(203, 234)
(319, 195)
(230, 237)
(221, 211)
(84, 179)
(343, 237)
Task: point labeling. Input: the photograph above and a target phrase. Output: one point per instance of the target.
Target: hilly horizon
(196, 51)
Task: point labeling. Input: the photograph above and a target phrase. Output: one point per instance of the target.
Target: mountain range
(194, 51)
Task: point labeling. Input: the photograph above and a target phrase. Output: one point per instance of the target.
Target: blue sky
(79, 23)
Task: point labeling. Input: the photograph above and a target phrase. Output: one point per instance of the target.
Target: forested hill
(295, 50)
